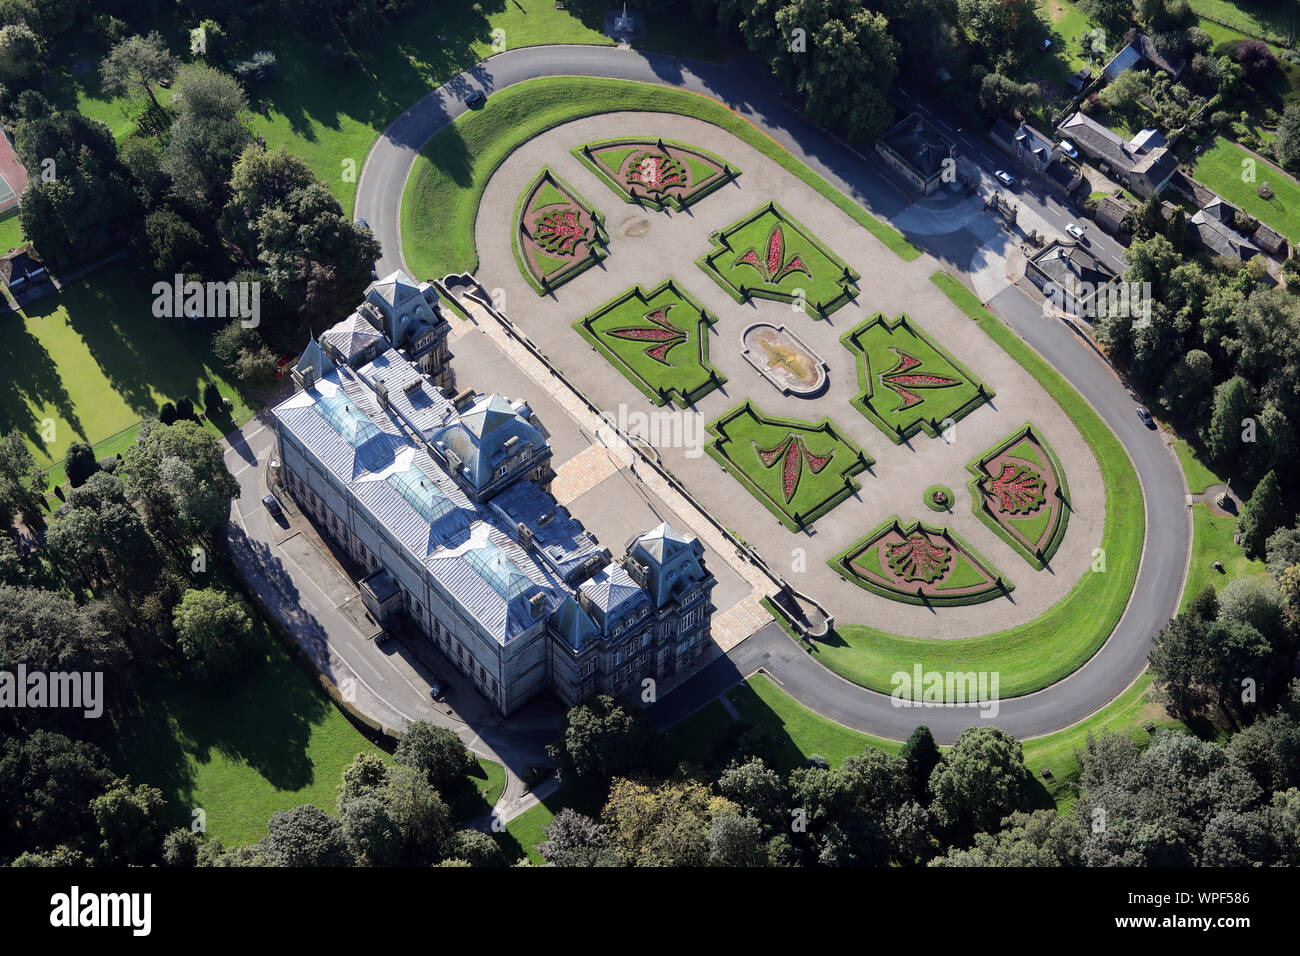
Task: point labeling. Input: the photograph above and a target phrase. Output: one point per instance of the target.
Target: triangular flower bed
(799, 470)
(1019, 491)
(909, 382)
(656, 173)
(659, 340)
(771, 255)
(920, 564)
(557, 233)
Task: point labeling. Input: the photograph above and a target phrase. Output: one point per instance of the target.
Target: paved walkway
(647, 247)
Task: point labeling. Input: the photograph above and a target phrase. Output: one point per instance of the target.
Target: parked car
(437, 691)
(475, 99)
(381, 637)
(1075, 231)
(1145, 415)
(363, 224)
(1068, 149)
(273, 506)
(1005, 178)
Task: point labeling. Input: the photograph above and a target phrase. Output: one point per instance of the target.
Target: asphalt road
(755, 95)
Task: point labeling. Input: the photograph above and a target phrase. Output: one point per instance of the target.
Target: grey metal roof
(672, 560)
(559, 539)
(441, 529)
(479, 434)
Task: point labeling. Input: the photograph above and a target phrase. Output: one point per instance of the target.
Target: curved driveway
(753, 94)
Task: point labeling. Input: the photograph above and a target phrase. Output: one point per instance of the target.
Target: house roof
(1112, 210)
(353, 336)
(1142, 48)
(1067, 264)
(471, 556)
(672, 562)
(919, 145)
(558, 539)
(314, 358)
(478, 437)
(1212, 228)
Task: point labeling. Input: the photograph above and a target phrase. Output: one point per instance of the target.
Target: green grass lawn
(89, 363)
(1212, 541)
(1033, 655)
(767, 254)
(1269, 20)
(267, 740)
(909, 382)
(1198, 474)
(441, 197)
(659, 339)
(1220, 169)
(764, 453)
(11, 232)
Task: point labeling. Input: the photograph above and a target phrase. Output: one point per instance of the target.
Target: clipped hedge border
(705, 319)
(842, 564)
(743, 294)
(931, 427)
(597, 249)
(717, 428)
(976, 466)
(726, 172)
(932, 505)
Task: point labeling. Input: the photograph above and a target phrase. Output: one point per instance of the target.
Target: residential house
(919, 153)
(1144, 169)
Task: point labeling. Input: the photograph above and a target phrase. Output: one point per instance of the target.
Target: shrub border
(1038, 560)
(726, 172)
(705, 321)
(597, 248)
(717, 428)
(866, 389)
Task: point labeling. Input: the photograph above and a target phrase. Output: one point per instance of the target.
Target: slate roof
(559, 539)
(672, 560)
(471, 557)
(353, 336)
(1212, 227)
(314, 358)
(479, 434)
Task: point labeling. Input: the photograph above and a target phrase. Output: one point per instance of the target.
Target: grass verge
(1040, 652)
(441, 198)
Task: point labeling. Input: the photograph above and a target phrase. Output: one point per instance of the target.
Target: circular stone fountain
(783, 360)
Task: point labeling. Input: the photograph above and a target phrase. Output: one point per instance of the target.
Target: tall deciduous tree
(136, 65)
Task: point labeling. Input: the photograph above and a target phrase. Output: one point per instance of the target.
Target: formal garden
(656, 173)
(799, 470)
(1019, 492)
(558, 234)
(920, 564)
(909, 383)
(659, 340)
(769, 255)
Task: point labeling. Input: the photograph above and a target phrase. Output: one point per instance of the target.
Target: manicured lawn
(659, 339)
(267, 740)
(769, 255)
(1198, 474)
(909, 382)
(1040, 652)
(11, 233)
(1220, 169)
(1059, 752)
(1212, 541)
(92, 361)
(920, 564)
(1269, 20)
(441, 197)
(798, 470)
